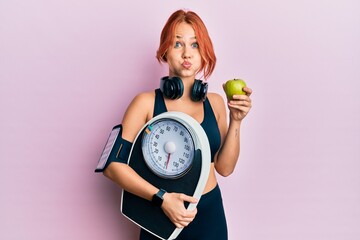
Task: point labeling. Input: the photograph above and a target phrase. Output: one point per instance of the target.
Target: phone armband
(116, 149)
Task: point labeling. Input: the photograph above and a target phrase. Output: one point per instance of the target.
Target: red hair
(206, 49)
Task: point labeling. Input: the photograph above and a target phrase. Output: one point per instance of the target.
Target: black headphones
(173, 88)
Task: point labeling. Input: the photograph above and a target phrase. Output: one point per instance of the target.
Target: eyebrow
(179, 37)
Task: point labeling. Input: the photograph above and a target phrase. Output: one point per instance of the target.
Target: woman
(187, 49)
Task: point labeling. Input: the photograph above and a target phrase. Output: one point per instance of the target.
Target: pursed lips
(186, 64)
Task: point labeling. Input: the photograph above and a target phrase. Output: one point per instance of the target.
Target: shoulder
(137, 114)
(217, 103)
(144, 99)
(143, 103)
(212, 96)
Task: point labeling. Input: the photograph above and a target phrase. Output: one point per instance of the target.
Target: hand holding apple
(234, 87)
(238, 95)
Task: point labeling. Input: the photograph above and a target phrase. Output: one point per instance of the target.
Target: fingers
(187, 216)
(240, 105)
(173, 207)
(184, 219)
(240, 101)
(248, 91)
(181, 224)
(243, 107)
(187, 198)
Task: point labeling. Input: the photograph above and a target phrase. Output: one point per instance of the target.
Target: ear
(164, 57)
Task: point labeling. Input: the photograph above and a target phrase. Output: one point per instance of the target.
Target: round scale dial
(168, 148)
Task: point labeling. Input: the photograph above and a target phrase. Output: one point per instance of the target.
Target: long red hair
(208, 58)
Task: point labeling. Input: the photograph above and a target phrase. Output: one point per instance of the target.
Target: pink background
(68, 69)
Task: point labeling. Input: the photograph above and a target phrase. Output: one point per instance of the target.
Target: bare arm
(229, 152)
(135, 117)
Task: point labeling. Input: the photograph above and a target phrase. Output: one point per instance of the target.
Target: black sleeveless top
(209, 123)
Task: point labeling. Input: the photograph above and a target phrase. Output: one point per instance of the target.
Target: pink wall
(68, 69)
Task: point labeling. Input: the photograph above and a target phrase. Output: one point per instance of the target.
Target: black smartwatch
(158, 198)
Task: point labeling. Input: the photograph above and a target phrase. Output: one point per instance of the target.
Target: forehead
(184, 30)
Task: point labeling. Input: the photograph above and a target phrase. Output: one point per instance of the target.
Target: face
(183, 57)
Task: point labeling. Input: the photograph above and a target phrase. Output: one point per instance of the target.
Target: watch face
(168, 148)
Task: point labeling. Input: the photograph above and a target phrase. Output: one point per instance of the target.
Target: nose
(187, 53)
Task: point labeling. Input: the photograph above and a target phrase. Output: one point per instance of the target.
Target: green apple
(234, 87)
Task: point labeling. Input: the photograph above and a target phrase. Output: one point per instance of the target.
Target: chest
(193, 109)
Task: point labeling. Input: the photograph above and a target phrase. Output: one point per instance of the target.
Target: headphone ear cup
(172, 88)
(179, 86)
(199, 91)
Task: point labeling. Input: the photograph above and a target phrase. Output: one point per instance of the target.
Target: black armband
(116, 149)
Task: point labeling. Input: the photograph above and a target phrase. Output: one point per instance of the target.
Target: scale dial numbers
(168, 148)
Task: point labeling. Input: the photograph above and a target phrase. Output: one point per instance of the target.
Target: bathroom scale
(171, 152)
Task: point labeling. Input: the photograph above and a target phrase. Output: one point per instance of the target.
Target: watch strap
(158, 198)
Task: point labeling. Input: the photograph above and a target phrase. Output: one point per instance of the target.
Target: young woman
(186, 47)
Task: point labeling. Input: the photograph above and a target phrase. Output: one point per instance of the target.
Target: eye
(177, 45)
(195, 45)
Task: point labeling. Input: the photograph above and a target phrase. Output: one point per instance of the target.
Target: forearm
(129, 180)
(230, 150)
(173, 205)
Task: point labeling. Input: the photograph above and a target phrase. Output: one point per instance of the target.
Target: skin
(183, 59)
